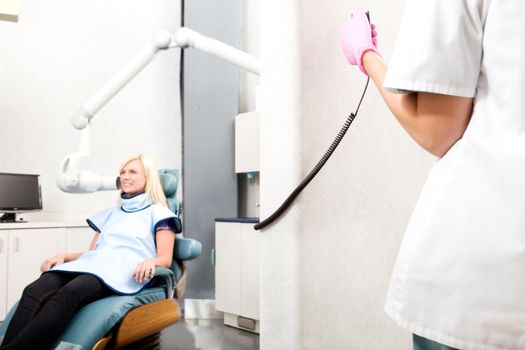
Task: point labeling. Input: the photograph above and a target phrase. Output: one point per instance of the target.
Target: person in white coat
(455, 83)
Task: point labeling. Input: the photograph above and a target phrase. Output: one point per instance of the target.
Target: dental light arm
(70, 179)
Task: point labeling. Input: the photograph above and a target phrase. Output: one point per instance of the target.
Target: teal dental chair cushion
(169, 179)
(95, 320)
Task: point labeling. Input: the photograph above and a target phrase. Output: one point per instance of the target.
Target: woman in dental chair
(130, 241)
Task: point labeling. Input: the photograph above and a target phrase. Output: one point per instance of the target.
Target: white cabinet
(27, 249)
(23, 247)
(237, 273)
(249, 271)
(3, 274)
(247, 143)
(228, 267)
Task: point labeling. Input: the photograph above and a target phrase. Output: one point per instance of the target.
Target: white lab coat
(460, 275)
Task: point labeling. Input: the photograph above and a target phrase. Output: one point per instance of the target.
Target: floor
(207, 335)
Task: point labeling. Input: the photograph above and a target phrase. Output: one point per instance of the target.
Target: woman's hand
(52, 262)
(145, 270)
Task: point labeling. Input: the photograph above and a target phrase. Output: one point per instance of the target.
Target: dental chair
(133, 321)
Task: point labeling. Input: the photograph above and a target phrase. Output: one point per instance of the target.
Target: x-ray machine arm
(70, 179)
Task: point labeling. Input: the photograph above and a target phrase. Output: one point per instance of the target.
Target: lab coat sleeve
(439, 48)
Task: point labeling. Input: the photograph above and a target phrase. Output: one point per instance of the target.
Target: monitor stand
(9, 218)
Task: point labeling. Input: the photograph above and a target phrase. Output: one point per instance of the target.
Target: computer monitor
(19, 193)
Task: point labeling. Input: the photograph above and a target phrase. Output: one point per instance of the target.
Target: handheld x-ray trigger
(319, 164)
(367, 13)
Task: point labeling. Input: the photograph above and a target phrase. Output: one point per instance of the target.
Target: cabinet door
(78, 239)
(27, 249)
(249, 271)
(3, 274)
(227, 267)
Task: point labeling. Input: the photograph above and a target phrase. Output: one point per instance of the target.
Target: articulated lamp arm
(70, 179)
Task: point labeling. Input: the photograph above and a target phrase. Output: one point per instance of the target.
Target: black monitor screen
(19, 192)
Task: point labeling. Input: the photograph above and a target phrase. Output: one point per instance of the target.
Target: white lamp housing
(72, 181)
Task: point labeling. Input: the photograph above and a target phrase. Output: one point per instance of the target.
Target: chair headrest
(169, 179)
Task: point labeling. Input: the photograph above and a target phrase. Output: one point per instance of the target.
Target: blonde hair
(153, 187)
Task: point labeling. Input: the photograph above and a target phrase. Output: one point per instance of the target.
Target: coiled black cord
(315, 170)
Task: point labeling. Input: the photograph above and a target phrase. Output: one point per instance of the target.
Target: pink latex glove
(358, 37)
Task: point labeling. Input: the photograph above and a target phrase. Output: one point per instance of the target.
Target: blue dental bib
(127, 237)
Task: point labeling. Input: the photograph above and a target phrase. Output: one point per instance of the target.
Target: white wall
(57, 55)
(250, 43)
(325, 267)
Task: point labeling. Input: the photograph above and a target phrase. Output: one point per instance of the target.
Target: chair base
(140, 328)
(152, 342)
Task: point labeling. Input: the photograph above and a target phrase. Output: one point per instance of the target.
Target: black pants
(46, 307)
